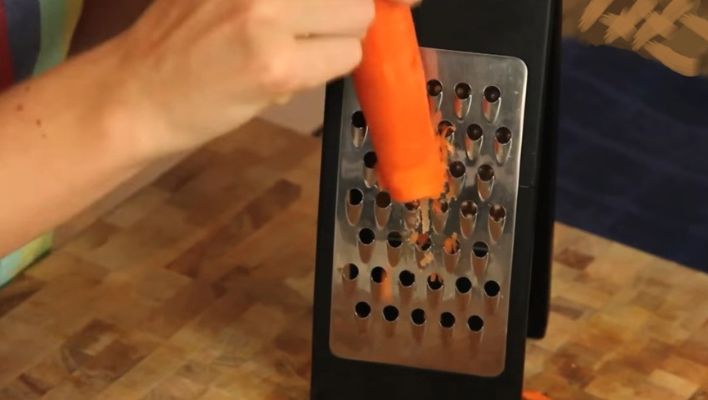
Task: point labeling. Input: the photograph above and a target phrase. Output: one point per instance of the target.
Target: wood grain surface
(200, 287)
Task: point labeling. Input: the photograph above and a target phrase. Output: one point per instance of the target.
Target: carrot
(390, 84)
(530, 395)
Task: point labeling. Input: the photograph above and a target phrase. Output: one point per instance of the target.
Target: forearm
(184, 74)
(63, 144)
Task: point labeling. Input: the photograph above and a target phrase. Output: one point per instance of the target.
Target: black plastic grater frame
(524, 29)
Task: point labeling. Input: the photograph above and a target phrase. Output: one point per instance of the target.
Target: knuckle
(274, 74)
(259, 15)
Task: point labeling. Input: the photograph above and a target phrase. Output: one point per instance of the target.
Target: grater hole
(447, 320)
(443, 205)
(390, 313)
(362, 309)
(503, 135)
(463, 285)
(492, 93)
(435, 282)
(475, 323)
(434, 87)
(383, 200)
(395, 239)
(407, 278)
(457, 169)
(463, 91)
(424, 242)
(358, 120)
(350, 272)
(480, 249)
(370, 160)
(412, 205)
(486, 172)
(418, 316)
(356, 196)
(446, 129)
(492, 288)
(474, 132)
(378, 274)
(367, 236)
(497, 212)
(468, 208)
(451, 245)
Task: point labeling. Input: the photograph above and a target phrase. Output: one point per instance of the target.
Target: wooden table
(200, 286)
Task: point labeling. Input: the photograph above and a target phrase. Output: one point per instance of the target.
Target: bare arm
(184, 73)
(62, 146)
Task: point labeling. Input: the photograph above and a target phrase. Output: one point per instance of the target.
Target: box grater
(430, 299)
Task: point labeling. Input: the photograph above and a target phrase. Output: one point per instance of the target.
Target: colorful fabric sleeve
(34, 36)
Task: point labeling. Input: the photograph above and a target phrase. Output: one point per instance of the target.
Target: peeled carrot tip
(531, 395)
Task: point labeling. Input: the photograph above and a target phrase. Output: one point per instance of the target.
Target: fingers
(329, 17)
(314, 40)
(323, 59)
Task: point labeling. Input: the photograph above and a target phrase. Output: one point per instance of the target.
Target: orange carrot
(390, 84)
(530, 395)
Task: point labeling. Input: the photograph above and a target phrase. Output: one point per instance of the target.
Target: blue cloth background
(633, 152)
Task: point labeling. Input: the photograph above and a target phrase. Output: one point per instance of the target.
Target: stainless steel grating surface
(426, 285)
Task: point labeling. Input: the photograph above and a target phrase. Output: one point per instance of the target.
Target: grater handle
(390, 85)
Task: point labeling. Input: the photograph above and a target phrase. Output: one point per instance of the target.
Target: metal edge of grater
(454, 315)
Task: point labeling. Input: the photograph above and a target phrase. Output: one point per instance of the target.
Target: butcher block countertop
(200, 287)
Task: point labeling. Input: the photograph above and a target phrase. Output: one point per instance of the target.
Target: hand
(196, 69)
